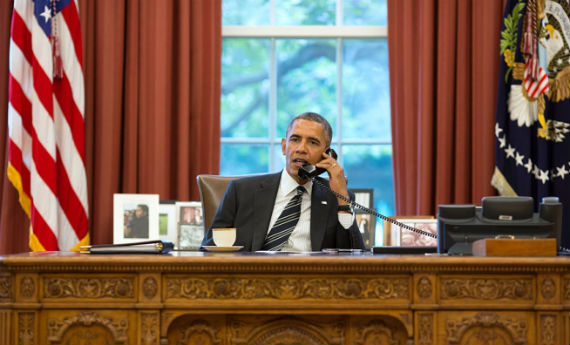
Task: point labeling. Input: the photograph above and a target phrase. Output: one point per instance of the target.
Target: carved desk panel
(206, 298)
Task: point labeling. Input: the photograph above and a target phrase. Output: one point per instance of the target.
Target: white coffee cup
(224, 237)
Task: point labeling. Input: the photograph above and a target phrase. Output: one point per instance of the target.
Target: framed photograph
(408, 238)
(190, 225)
(366, 222)
(167, 221)
(367, 225)
(135, 218)
(364, 197)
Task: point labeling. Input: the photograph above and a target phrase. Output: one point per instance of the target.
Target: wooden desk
(196, 298)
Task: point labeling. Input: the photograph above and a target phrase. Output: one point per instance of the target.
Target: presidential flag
(46, 122)
(532, 143)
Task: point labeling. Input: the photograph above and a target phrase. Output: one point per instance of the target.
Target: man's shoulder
(257, 179)
(323, 188)
(321, 180)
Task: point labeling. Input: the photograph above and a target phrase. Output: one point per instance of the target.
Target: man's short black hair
(143, 207)
(310, 116)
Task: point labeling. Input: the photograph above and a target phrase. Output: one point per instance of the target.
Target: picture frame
(364, 197)
(190, 222)
(167, 221)
(130, 224)
(367, 225)
(408, 238)
(365, 221)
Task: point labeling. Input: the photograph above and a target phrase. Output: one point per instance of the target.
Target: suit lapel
(264, 200)
(319, 210)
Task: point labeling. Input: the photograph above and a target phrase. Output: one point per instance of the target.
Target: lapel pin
(324, 202)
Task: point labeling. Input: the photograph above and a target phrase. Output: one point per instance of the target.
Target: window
(282, 58)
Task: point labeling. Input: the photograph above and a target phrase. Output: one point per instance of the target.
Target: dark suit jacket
(248, 204)
(139, 227)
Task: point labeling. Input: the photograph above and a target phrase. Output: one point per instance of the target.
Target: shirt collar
(288, 184)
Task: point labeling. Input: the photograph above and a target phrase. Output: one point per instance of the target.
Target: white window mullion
(339, 114)
(305, 31)
(243, 140)
(272, 13)
(339, 13)
(272, 103)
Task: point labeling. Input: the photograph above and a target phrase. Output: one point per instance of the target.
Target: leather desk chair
(212, 189)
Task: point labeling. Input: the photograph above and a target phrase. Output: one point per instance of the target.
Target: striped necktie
(285, 224)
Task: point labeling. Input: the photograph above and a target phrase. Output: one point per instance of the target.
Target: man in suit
(138, 226)
(254, 205)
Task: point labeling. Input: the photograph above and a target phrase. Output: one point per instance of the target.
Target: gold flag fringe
(501, 184)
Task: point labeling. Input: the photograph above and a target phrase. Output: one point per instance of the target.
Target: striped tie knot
(285, 224)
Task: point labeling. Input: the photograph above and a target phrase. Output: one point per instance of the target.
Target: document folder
(146, 247)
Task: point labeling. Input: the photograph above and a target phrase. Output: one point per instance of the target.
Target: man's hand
(337, 179)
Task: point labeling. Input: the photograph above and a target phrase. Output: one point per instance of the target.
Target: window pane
(245, 88)
(245, 12)
(306, 79)
(370, 166)
(364, 12)
(365, 90)
(239, 159)
(279, 158)
(306, 12)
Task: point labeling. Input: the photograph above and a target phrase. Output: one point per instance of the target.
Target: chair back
(212, 189)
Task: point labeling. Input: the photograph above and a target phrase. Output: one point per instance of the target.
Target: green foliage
(245, 103)
(365, 89)
(509, 34)
(245, 12)
(307, 79)
(370, 166)
(163, 224)
(364, 12)
(240, 159)
(306, 12)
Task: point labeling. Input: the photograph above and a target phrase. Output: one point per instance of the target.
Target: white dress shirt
(300, 238)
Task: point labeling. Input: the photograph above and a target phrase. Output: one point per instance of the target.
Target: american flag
(46, 122)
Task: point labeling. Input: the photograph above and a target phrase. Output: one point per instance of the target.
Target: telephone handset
(309, 171)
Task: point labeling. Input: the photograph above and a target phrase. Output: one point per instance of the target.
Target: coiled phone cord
(373, 212)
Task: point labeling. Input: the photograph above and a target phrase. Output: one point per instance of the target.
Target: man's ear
(283, 146)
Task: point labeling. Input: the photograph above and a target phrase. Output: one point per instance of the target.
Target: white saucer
(222, 249)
